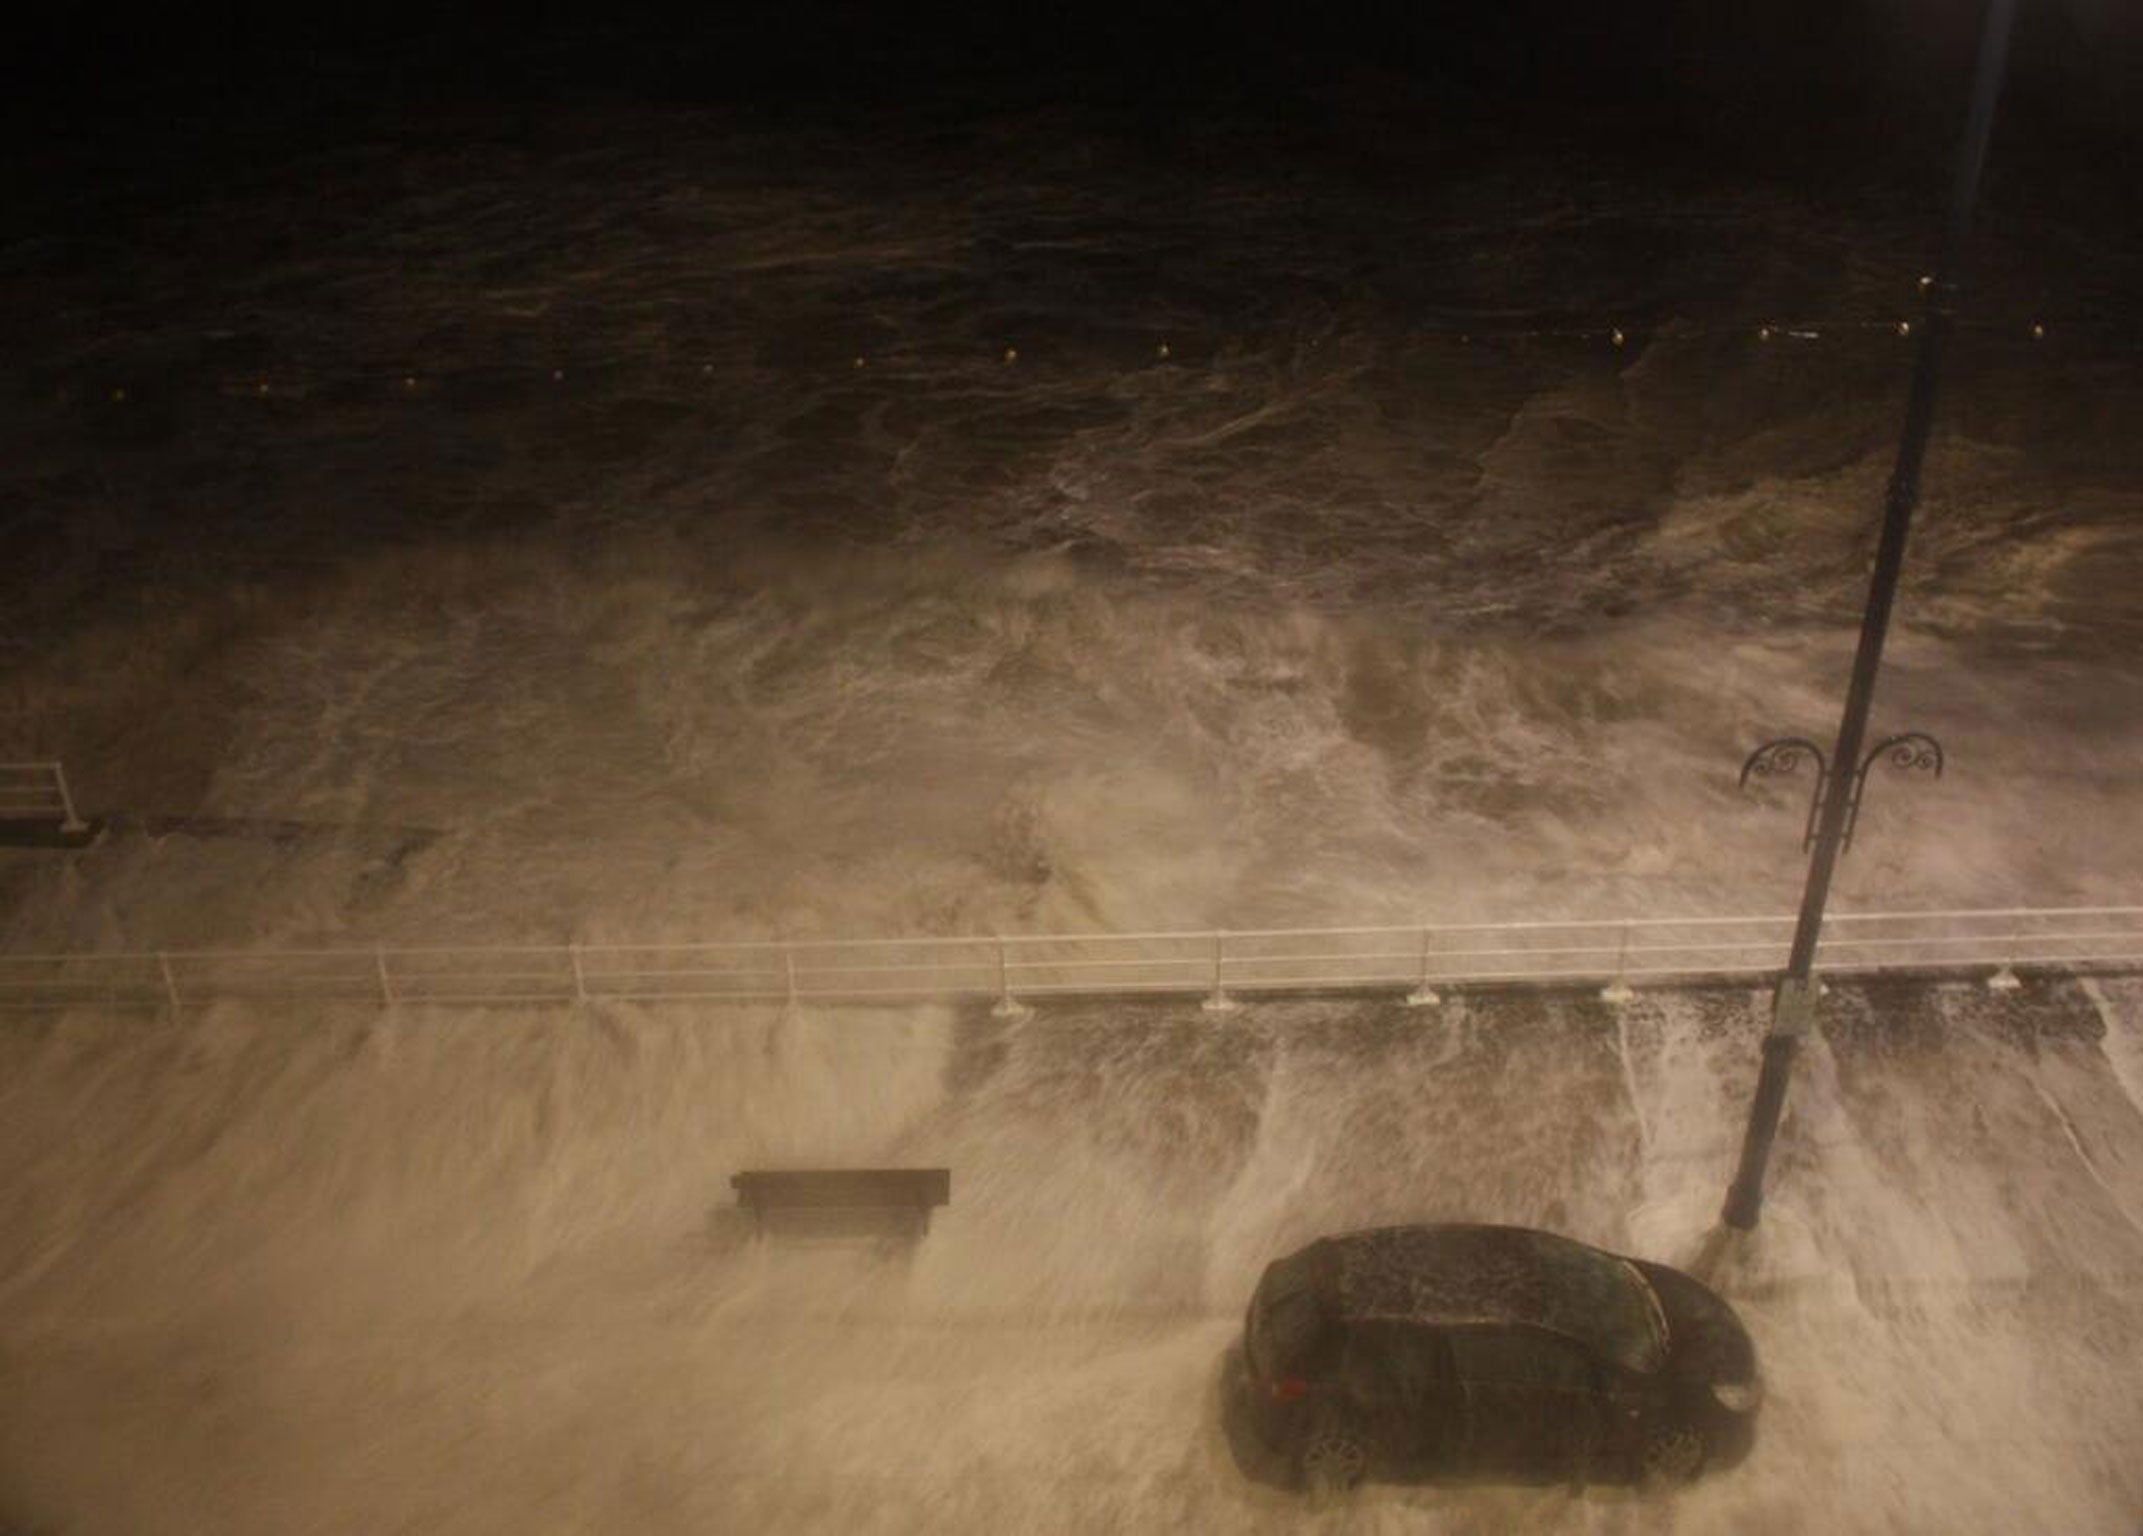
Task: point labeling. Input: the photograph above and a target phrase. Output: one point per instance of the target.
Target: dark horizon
(1771, 88)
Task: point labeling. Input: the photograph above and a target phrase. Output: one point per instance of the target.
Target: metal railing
(38, 792)
(1218, 966)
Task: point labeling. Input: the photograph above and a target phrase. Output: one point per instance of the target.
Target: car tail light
(1289, 1389)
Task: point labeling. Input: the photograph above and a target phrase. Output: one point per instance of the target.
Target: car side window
(1384, 1357)
(1522, 1357)
(1425, 1358)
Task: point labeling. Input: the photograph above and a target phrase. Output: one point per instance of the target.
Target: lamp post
(1793, 1009)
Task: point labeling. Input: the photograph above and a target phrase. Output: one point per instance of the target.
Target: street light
(1793, 1010)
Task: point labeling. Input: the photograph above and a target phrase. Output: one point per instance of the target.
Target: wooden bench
(843, 1202)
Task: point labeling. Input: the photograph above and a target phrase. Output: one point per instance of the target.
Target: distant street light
(1793, 1011)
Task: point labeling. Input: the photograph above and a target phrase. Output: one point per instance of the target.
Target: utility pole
(1793, 1011)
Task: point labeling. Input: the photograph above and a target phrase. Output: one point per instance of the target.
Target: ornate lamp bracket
(1912, 752)
(1775, 759)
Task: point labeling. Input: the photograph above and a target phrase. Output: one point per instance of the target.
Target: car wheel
(1334, 1456)
(1672, 1456)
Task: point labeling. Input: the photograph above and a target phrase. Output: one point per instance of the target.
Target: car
(1472, 1351)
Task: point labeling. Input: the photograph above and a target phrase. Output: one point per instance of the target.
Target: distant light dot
(2038, 331)
(409, 381)
(1904, 327)
(1161, 350)
(1763, 333)
(859, 362)
(706, 367)
(1926, 282)
(119, 395)
(1011, 354)
(1618, 337)
(262, 388)
(558, 375)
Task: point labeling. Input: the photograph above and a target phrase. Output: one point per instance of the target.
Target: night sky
(1768, 88)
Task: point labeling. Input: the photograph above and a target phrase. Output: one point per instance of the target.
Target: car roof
(1455, 1275)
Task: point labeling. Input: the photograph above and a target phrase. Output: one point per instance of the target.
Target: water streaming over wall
(478, 1271)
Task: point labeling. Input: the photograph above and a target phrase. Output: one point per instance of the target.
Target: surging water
(1324, 617)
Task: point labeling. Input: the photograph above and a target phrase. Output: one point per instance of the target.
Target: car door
(1532, 1402)
(1400, 1375)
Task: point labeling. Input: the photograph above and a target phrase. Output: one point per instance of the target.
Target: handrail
(1208, 962)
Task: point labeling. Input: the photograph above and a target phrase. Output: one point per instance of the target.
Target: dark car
(1431, 1351)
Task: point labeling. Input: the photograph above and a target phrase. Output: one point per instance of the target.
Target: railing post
(580, 982)
(1423, 995)
(171, 984)
(1008, 1006)
(386, 983)
(1619, 991)
(73, 822)
(1218, 1001)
